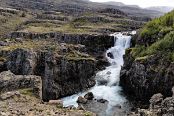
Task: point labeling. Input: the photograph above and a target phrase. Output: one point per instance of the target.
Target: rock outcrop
(67, 63)
(63, 77)
(142, 78)
(93, 43)
(11, 82)
(158, 107)
(21, 61)
(62, 74)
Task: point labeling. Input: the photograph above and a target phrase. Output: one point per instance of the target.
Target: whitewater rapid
(107, 81)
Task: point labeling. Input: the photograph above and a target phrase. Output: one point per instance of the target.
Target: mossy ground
(48, 46)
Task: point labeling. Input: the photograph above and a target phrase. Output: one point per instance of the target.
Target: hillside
(66, 17)
(149, 65)
(164, 9)
(78, 5)
(156, 36)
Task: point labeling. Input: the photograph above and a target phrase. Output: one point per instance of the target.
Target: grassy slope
(10, 20)
(157, 37)
(89, 23)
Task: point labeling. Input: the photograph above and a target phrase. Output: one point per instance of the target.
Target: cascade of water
(107, 86)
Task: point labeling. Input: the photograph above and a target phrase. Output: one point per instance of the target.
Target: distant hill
(114, 3)
(78, 6)
(164, 9)
(120, 4)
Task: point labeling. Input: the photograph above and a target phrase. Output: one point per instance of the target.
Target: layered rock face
(66, 62)
(61, 75)
(21, 61)
(66, 76)
(93, 43)
(141, 78)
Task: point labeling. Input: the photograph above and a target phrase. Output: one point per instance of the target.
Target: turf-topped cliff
(149, 64)
(156, 36)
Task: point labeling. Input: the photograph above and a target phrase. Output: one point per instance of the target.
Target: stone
(118, 106)
(82, 100)
(110, 55)
(108, 73)
(9, 95)
(71, 107)
(173, 91)
(56, 102)
(89, 96)
(156, 100)
(12, 82)
(80, 107)
(101, 100)
(18, 39)
(2, 43)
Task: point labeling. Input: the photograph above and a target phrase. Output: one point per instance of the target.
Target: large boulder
(82, 100)
(89, 96)
(11, 82)
(158, 107)
(156, 100)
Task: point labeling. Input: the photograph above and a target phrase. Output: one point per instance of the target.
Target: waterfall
(107, 81)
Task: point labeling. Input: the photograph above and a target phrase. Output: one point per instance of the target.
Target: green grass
(157, 28)
(162, 31)
(28, 92)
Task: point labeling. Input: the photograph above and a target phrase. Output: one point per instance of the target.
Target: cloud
(143, 3)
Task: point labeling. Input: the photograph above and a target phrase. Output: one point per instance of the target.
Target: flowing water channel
(107, 81)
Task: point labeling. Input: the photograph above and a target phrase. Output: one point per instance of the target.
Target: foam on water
(110, 89)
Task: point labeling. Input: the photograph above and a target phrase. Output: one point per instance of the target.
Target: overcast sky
(143, 3)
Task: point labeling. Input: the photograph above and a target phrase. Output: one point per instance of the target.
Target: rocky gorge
(60, 70)
(63, 58)
(149, 68)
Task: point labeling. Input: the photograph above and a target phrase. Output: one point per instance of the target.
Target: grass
(28, 92)
(78, 25)
(9, 22)
(87, 114)
(158, 37)
(163, 45)
(45, 45)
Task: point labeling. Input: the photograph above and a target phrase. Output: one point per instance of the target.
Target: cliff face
(66, 63)
(66, 76)
(61, 75)
(143, 78)
(93, 43)
(149, 67)
(21, 61)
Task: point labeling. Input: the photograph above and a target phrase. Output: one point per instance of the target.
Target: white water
(107, 86)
